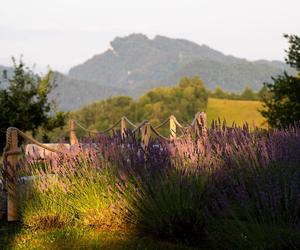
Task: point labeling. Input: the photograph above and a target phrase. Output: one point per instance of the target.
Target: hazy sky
(63, 33)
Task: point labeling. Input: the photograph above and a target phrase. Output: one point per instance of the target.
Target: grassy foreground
(238, 111)
(13, 236)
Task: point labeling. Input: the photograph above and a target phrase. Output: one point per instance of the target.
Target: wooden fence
(12, 151)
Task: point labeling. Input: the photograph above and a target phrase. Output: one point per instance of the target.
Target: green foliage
(169, 206)
(247, 94)
(183, 101)
(219, 93)
(101, 115)
(282, 99)
(24, 103)
(83, 197)
(13, 237)
(43, 210)
(293, 54)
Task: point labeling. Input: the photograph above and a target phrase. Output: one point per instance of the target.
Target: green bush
(169, 205)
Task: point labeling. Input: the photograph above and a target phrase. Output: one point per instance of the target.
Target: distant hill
(135, 64)
(73, 93)
(139, 64)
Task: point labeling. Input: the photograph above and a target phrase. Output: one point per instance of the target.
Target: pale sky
(64, 33)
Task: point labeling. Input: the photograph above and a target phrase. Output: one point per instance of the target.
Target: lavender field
(231, 189)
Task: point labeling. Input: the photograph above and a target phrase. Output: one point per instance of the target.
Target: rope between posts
(97, 132)
(162, 124)
(26, 137)
(7, 152)
(139, 126)
(177, 122)
(129, 122)
(158, 134)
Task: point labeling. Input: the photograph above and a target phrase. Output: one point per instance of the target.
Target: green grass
(238, 111)
(14, 237)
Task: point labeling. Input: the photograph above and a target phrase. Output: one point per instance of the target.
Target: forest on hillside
(183, 101)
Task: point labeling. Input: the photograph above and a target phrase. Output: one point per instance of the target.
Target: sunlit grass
(17, 238)
(237, 111)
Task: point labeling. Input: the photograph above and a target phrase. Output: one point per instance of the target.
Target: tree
(248, 94)
(220, 93)
(24, 103)
(281, 101)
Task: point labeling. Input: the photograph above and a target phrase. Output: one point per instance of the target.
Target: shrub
(169, 205)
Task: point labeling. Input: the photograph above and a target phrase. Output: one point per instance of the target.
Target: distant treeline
(247, 94)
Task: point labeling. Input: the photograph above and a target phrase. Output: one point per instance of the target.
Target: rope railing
(163, 123)
(9, 141)
(153, 129)
(177, 123)
(32, 140)
(168, 120)
(95, 131)
(129, 122)
(200, 119)
(139, 126)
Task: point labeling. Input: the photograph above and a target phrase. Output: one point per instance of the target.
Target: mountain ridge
(135, 63)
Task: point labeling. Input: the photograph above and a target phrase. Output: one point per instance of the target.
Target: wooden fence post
(198, 118)
(12, 153)
(146, 134)
(73, 137)
(123, 127)
(201, 122)
(172, 127)
(204, 123)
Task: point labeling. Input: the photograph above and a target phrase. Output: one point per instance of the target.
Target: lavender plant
(233, 185)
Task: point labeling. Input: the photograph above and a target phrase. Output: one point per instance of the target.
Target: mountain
(73, 93)
(232, 77)
(134, 64)
(139, 63)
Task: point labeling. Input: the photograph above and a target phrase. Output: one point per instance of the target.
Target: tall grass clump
(73, 188)
(168, 206)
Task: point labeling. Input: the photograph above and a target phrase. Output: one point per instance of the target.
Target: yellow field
(235, 111)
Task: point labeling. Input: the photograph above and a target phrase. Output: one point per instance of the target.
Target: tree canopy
(282, 97)
(24, 102)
